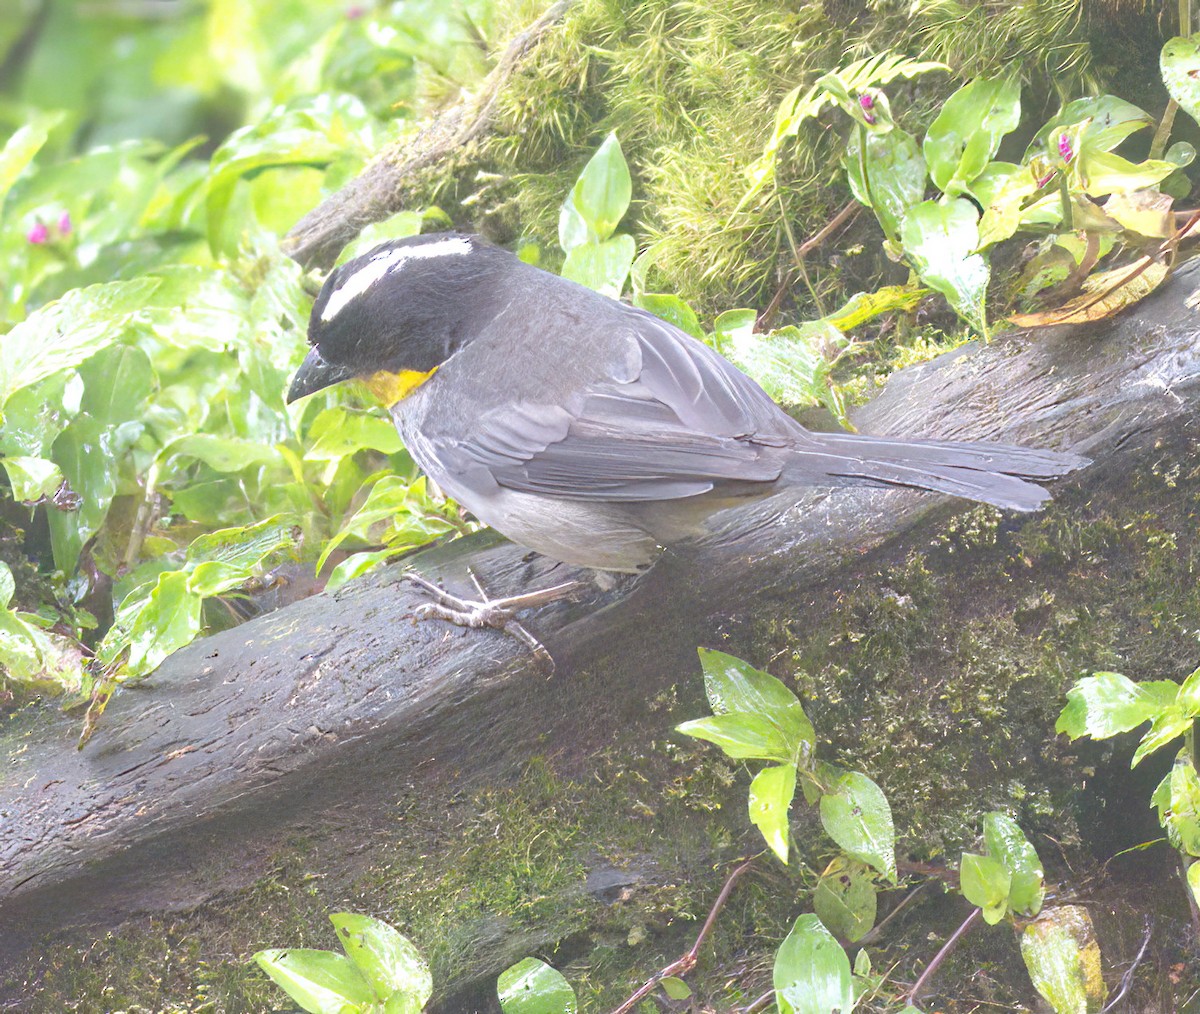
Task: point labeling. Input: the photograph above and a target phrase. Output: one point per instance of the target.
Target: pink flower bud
(866, 101)
(64, 224)
(1064, 148)
(38, 233)
(355, 11)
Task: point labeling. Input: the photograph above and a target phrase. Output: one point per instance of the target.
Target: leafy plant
(381, 972)
(756, 717)
(533, 987)
(597, 255)
(1107, 704)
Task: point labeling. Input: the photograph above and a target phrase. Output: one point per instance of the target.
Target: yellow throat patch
(390, 387)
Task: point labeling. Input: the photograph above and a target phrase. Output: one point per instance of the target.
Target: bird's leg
(499, 614)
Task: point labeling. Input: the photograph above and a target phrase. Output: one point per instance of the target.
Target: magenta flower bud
(355, 11)
(38, 233)
(866, 102)
(1064, 148)
(64, 223)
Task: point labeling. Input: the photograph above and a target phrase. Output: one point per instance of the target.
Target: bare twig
(914, 994)
(688, 961)
(1127, 978)
(762, 1003)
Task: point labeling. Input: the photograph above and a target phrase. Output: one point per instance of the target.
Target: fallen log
(314, 723)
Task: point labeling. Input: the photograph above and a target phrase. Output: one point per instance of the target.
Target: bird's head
(391, 317)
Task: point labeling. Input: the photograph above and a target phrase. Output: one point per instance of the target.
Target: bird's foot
(499, 614)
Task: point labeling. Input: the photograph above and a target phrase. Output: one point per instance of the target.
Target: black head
(402, 309)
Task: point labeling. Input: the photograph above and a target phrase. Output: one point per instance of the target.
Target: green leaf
(732, 685)
(1063, 959)
(1007, 843)
(602, 266)
(1106, 704)
(1103, 122)
(1181, 817)
(168, 620)
(8, 585)
(387, 960)
(968, 130)
(90, 456)
(675, 988)
(358, 564)
(602, 193)
(64, 333)
(771, 795)
(19, 150)
(223, 454)
(856, 815)
(939, 240)
(321, 982)
(32, 478)
(1180, 64)
(339, 431)
(845, 899)
(1165, 728)
(533, 987)
(895, 179)
(672, 309)
(790, 363)
(1193, 880)
(812, 973)
(985, 883)
(741, 736)
(117, 381)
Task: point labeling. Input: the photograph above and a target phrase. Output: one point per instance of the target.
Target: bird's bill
(315, 374)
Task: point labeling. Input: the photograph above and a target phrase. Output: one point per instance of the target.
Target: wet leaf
(602, 193)
(895, 175)
(1180, 64)
(968, 130)
(386, 959)
(741, 736)
(533, 987)
(845, 899)
(602, 266)
(985, 883)
(1007, 843)
(771, 794)
(32, 478)
(1105, 295)
(812, 973)
(321, 982)
(1063, 959)
(940, 240)
(855, 814)
(733, 685)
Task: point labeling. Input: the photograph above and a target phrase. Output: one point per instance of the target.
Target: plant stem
(947, 949)
(685, 964)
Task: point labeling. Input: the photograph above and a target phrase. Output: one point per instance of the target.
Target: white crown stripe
(383, 264)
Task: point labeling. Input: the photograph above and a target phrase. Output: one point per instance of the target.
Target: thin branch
(1127, 978)
(948, 947)
(688, 961)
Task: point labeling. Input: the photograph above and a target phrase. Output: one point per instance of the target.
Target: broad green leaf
(385, 958)
(732, 685)
(90, 456)
(1063, 959)
(812, 973)
(1107, 704)
(985, 882)
(389, 498)
(21, 147)
(8, 585)
(939, 240)
(1181, 817)
(1193, 879)
(602, 266)
(855, 814)
(866, 306)
(339, 431)
(224, 454)
(1103, 122)
(41, 660)
(672, 309)
(358, 564)
(64, 333)
(968, 130)
(845, 899)
(1180, 64)
(169, 619)
(742, 736)
(34, 416)
(533, 987)
(1102, 173)
(244, 547)
(1188, 696)
(573, 231)
(791, 363)
(675, 988)
(116, 383)
(32, 478)
(1007, 843)
(771, 794)
(895, 175)
(321, 982)
(1165, 728)
(602, 193)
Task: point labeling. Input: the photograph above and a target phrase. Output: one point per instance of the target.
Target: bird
(586, 429)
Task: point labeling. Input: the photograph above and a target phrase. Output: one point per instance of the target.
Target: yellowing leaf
(1105, 295)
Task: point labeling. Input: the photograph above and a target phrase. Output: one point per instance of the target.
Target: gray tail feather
(996, 474)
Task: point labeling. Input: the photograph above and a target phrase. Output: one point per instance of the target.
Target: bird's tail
(996, 474)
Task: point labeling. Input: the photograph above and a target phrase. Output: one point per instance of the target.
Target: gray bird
(585, 429)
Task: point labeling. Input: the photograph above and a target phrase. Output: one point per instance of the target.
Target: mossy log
(320, 756)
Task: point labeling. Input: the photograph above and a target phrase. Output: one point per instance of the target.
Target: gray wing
(680, 421)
